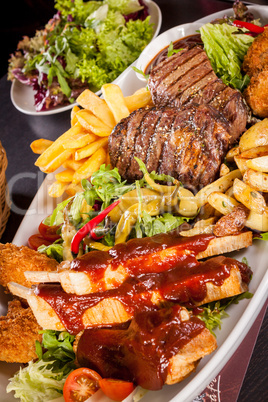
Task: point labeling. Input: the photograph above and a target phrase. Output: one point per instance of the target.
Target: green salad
(84, 45)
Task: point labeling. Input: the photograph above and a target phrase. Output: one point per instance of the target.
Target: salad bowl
(22, 96)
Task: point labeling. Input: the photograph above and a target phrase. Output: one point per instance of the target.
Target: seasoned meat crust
(188, 144)
(14, 261)
(18, 332)
(186, 78)
(256, 66)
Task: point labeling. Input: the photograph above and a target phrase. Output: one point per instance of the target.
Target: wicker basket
(4, 196)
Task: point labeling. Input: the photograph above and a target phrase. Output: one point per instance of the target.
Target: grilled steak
(188, 144)
(187, 77)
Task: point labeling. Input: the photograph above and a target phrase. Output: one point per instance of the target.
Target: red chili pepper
(88, 228)
(248, 25)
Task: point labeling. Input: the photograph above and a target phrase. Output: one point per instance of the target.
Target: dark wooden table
(18, 130)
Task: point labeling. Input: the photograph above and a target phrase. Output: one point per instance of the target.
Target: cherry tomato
(37, 240)
(49, 232)
(80, 385)
(116, 390)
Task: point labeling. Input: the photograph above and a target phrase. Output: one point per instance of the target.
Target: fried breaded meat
(256, 66)
(14, 261)
(18, 332)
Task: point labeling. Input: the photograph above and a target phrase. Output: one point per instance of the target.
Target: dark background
(24, 17)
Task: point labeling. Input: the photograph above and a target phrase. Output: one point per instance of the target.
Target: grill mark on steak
(164, 126)
(127, 146)
(170, 93)
(142, 142)
(162, 70)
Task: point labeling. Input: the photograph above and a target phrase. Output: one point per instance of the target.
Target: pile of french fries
(81, 150)
(247, 185)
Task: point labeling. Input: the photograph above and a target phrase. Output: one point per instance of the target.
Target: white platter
(22, 96)
(234, 328)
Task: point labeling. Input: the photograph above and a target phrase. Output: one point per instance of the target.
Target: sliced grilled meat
(187, 77)
(188, 144)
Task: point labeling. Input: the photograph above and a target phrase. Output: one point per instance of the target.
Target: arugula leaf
(214, 312)
(171, 50)
(262, 236)
(139, 71)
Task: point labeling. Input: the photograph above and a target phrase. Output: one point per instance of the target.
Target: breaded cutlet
(18, 332)
(15, 260)
(256, 58)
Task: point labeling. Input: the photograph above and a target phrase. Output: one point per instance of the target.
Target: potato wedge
(257, 180)
(255, 152)
(235, 151)
(92, 123)
(224, 169)
(222, 202)
(92, 102)
(220, 185)
(255, 136)
(249, 197)
(260, 164)
(241, 164)
(258, 221)
(115, 100)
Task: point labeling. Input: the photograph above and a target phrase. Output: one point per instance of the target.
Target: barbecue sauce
(139, 256)
(184, 284)
(140, 353)
(186, 42)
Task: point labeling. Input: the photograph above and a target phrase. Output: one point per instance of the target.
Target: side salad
(84, 45)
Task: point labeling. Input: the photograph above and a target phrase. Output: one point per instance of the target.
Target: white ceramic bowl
(22, 96)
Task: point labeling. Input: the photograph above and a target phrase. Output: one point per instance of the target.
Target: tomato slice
(117, 390)
(37, 240)
(49, 232)
(80, 385)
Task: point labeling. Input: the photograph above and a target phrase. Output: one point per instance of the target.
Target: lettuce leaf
(43, 380)
(226, 47)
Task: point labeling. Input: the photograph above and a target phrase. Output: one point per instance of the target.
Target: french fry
(115, 100)
(79, 140)
(241, 164)
(57, 189)
(65, 176)
(255, 136)
(260, 164)
(232, 153)
(70, 163)
(89, 150)
(92, 123)
(255, 152)
(74, 110)
(90, 166)
(40, 145)
(249, 197)
(257, 180)
(92, 102)
(57, 162)
(222, 202)
(258, 221)
(55, 149)
(220, 185)
(139, 99)
(72, 189)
